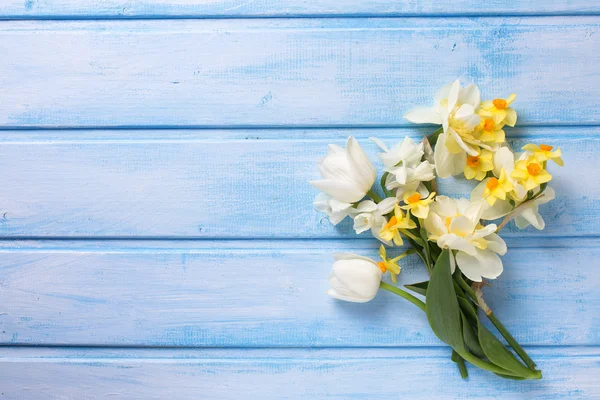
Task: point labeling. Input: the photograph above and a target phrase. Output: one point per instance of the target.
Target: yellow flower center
(500, 104)
(545, 147)
(382, 267)
(492, 183)
(414, 198)
(393, 221)
(533, 169)
(472, 161)
(448, 222)
(488, 124)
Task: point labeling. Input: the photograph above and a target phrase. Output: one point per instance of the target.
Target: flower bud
(354, 278)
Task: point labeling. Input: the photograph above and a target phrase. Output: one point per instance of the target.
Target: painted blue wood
(218, 184)
(283, 374)
(268, 294)
(290, 72)
(252, 280)
(284, 8)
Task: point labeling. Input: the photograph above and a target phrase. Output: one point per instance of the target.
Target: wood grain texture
(283, 8)
(290, 72)
(267, 294)
(283, 374)
(220, 184)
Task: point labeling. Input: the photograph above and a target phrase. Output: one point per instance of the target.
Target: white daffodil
(369, 215)
(504, 160)
(405, 168)
(455, 108)
(336, 210)
(354, 278)
(528, 212)
(454, 224)
(347, 173)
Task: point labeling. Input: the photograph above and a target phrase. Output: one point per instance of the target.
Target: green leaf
(467, 308)
(500, 355)
(443, 312)
(420, 287)
(470, 337)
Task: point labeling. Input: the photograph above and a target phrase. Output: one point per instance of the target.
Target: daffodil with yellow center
(478, 166)
(499, 110)
(390, 265)
(497, 188)
(544, 152)
(491, 133)
(399, 221)
(418, 207)
(530, 173)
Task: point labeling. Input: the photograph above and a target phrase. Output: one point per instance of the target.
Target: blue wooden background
(157, 233)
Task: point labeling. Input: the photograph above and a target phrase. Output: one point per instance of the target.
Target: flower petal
(454, 242)
(484, 264)
(340, 190)
(423, 115)
(470, 95)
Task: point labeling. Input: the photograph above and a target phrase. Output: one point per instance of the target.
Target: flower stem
(512, 342)
(376, 198)
(505, 333)
(402, 293)
(461, 364)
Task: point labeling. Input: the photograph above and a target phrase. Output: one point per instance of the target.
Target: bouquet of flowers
(458, 244)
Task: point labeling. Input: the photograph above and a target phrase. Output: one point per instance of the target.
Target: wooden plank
(283, 8)
(290, 72)
(282, 374)
(199, 184)
(267, 293)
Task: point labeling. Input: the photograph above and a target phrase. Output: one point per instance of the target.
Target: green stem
(461, 364)
(511, 341)
(495, 369)
(403, 294)
(376, 198)
(505, 334)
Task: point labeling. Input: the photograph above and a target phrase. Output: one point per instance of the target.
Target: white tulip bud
(354, 278)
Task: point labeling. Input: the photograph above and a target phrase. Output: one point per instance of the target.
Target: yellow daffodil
(390, 265)
(499, 110)
(543, 152)
(391, 230)
(497, 188)
(491, 133)
(478, 166)
(418, 207)
(530, 173)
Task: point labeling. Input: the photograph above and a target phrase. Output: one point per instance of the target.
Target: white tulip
(354, 278)
(347, 173)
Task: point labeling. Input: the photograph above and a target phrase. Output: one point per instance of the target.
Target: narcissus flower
(454, 224)
(347, 173)
(390, 265)
(491, 133)
(418, 206)
(336, 210)
(543, 153)
(369, 215)
(354, 278)
(406, 169)
(497, 188)
(478, 166)
(399, 221)
(500, 111)
(530, 173)
(528, 212)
